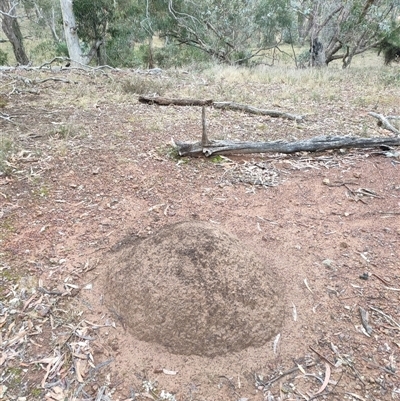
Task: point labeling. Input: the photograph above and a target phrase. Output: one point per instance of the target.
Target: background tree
(90, 25)
(94, 17)
(346, 28)
(10, 27)
(390, 46)
(124, 33)
(71, 34)
(44, 14)
(231, 31)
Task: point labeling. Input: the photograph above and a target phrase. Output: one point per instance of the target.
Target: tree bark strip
(320, 143)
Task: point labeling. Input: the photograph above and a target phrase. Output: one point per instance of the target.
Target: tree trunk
(317, 53)
(71, 34)
(11, 29)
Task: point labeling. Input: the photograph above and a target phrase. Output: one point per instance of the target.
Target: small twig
(231, 384)
(7, 118)
(381, 279)
(66, 81)
(356, 396)
(45, 291)
(100, 365)
(63, 59)
(385, 315)
(70, 335)
(287, 372)
(321, 356)
(392, 289)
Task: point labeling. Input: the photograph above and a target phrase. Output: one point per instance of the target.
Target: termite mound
(194, 289)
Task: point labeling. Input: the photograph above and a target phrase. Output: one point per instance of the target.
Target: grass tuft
(146, 85)
(6, 148)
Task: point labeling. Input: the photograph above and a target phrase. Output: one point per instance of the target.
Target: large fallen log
(220, 147)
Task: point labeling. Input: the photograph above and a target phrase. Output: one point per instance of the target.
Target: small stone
(327, 262)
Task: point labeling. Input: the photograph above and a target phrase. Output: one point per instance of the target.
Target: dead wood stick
(381, 279)
(321, 356)
(204, 138)
(320, 143)
(388, 317)
(163, 101)
(383, 121)
(7, 118)
(254, 110)
(66, 81)
(276, 378)
(280, 375)
(364, 320)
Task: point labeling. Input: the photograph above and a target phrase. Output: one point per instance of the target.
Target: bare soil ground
(87, 165)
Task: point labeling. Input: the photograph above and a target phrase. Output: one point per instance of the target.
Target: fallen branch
(383, 121)
(255, 110)
(66, 81)
(320, 143)
(163, 101)
(7, 118)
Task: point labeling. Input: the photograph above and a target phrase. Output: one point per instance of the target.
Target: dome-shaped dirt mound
(194, 289)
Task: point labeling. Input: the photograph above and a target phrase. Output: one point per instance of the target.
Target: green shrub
(3, 58)
(173, 55)
(390, 77)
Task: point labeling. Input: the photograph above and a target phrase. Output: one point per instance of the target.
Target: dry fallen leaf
(326, 381)
(80, 369)
(3, 390)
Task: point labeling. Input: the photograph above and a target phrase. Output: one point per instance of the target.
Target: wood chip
(169, 372)
(276, 342)
(365, 320)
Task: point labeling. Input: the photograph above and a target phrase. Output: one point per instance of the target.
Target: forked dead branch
(209, 147)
